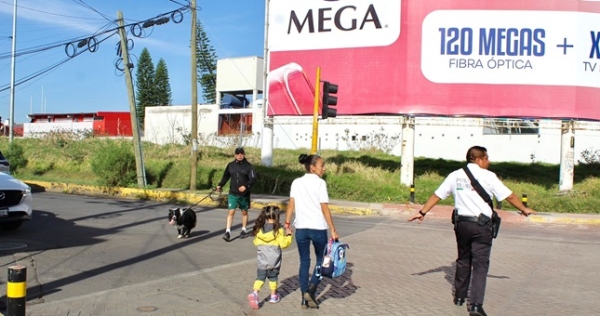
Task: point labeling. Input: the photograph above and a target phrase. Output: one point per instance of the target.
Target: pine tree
(146, 88)
(161, 80)
(206, 59)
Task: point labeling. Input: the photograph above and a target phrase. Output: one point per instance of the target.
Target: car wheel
(11, 225)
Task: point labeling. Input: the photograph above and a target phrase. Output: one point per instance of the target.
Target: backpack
(334, 259)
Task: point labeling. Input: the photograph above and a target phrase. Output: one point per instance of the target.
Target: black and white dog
(184, 219)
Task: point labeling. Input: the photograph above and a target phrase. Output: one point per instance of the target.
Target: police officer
(473, 237)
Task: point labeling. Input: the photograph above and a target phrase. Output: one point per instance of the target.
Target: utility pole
(194, 67)
(266, 155)
(315, 134)
(135, 127)
(12, 76)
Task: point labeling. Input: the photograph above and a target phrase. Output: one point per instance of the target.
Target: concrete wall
(446, 138)
(39, 129)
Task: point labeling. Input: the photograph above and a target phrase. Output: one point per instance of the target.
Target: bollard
(412, 193)
(499, 205)
(524, 199)
(16, 291)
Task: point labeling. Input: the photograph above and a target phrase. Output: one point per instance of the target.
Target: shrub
(15, 157)
(114, 164)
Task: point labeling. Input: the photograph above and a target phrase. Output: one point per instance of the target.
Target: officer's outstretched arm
(516, 202)
(431, 202)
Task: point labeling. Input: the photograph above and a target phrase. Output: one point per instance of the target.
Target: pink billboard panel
(537, 58)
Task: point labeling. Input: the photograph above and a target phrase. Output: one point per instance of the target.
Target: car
(4, 164)
(16, 202)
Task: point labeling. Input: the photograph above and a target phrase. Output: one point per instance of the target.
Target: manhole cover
(147, 308)
(12, 245)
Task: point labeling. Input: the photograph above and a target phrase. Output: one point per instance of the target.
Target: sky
(90, 81)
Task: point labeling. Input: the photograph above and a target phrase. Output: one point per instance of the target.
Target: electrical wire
(51, 67)
(83, 43)
(87, 6)
(50, 13)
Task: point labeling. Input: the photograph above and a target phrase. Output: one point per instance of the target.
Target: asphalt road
(77, 245)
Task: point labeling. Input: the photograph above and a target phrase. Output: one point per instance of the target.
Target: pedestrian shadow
(449, 272)
(338, 288)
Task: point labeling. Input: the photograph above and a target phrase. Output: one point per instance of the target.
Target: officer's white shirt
(466, 200)
(309, 191)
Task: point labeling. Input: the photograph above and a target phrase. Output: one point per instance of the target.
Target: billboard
(537, 58)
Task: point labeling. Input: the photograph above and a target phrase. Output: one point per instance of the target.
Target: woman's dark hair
(268, 212)
(308, 160)
(476, 152)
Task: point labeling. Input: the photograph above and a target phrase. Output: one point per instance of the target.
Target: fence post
(524, 199)
(16, 292)
(412, 193)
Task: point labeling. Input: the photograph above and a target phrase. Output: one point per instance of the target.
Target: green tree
(161, 80)
(146, 88)
(206, 59)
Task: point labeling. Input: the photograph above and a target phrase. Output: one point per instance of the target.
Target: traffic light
(329, 100)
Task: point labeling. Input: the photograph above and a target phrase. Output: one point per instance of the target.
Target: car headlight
(28, 190)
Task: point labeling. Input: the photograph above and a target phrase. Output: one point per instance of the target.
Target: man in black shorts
(242, 176)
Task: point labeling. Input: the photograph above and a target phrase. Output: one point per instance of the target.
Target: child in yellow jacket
(270, 239)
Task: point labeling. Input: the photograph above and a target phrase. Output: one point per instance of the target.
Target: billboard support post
(567, 153)
(315, 134)
(408, 152)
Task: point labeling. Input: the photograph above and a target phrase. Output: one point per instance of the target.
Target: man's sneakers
(243, 234)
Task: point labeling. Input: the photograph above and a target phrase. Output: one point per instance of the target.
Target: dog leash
(209, 195)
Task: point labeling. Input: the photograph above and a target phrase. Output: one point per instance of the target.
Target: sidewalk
(336, 206)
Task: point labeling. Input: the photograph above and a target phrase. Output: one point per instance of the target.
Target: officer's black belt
(468, 218)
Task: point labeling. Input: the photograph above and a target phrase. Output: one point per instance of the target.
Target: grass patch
(365, 176)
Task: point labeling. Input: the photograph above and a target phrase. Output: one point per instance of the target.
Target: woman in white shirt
(310, 201)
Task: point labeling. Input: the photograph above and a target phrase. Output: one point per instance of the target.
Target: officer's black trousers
(474, 243)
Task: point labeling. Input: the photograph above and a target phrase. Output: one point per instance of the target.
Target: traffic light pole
(315, 134)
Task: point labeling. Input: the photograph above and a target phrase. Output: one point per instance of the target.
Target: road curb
(182, 196)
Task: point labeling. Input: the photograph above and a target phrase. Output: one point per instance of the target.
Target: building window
(500, 126)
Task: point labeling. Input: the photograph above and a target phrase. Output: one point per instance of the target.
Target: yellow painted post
(315, 134)
(16, 291)
(524, 199)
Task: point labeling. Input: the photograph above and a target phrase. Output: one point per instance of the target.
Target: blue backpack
(334, 259)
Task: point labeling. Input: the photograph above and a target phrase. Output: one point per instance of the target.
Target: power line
(50, 13)
(87, 6)
(76, 46)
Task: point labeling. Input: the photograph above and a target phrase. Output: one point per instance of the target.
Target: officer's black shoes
(459, 301)
(309, 296)
(304, 304)
(477, 310)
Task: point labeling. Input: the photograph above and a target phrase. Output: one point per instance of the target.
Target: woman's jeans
(319, 241)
